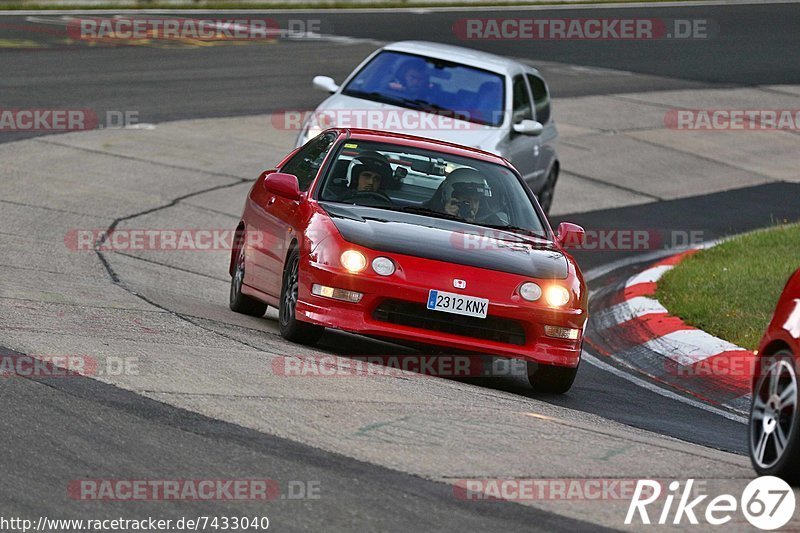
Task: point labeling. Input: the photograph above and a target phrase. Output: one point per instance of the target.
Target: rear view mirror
(528, 127)
(428, 167)
(284, 185)
(570, 235)
(325, 83)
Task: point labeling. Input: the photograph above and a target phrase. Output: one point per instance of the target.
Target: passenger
(460, 194)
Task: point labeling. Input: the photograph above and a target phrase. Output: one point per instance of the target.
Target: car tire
(771, 418)
(550, 378)
(292, 329)
(548, 190)
(241, 303)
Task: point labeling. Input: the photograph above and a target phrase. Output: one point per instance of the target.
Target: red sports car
(774, 424)
(412, 240)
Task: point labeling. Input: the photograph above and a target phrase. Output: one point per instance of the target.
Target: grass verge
(731, 290)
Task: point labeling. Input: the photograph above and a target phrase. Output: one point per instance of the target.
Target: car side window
(522, 103)
(305, 163)
(541, 98)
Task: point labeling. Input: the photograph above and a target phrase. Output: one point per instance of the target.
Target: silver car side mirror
(529, 127)
(325, 83)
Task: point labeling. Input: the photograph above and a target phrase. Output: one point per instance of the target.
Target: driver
(370, 172)
(411, 79)
(460, 194)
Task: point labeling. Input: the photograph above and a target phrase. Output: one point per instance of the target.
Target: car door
(547, 140)
(523, 150)
(275, 215)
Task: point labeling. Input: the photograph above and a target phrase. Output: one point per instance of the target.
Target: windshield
(431, 184)
(431, 85)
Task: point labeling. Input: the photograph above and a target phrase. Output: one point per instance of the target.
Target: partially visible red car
(413, 240)
(774, 425)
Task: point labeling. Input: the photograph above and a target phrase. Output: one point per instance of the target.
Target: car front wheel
(773, 426)
(550, 378)
(291, 328)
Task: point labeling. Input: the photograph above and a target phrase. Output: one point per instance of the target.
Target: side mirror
(325, 83)
(570, 235)
(528, 127)
(284, 185)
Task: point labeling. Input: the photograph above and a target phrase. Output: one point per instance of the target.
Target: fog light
(354, 261)
(530, 291)
(556, 296)
(570, 334)
(383, 266)
(336, 294)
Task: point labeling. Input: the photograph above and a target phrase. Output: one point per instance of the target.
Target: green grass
(731, 290)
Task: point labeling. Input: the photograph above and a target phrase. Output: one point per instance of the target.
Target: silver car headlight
(310, 130)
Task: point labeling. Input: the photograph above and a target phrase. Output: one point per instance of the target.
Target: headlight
(556, 296)
(310, 130)
(354, 261)
(530, 291)
(383, 266)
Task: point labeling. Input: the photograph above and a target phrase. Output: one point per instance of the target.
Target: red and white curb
(629, 325)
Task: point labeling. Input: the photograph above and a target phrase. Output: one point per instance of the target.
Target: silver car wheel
(773, 413)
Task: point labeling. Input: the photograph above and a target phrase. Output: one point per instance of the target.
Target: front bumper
(408, 289)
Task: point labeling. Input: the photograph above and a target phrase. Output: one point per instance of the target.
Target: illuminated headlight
(530, 291)
(338, 294)
(559, 332)
(354, 261)
(383, 266)
(556, 296)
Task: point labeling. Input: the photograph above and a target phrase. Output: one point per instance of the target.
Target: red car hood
(448, 241)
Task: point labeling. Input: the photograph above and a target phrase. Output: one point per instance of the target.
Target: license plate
(457, 303)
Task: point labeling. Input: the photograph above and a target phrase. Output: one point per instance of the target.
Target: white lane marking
(651, 275)
(594, 361)
(687, 347)
(628, 310)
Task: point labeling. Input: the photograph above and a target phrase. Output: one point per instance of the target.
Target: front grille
(418, 316)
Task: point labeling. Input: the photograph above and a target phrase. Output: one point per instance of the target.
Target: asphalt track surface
(112, 433)
(756, 45)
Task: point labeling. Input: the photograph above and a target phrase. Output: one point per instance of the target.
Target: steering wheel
(372, 195)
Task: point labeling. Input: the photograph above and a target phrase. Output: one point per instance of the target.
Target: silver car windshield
(431, 85)
(431, 184)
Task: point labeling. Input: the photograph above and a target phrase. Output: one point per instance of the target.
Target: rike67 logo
(766, 502)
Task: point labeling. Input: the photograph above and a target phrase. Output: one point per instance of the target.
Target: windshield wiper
(385, 98)
(417, 210)
(517, 229)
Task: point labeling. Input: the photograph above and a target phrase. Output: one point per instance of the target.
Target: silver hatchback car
(450, 93)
